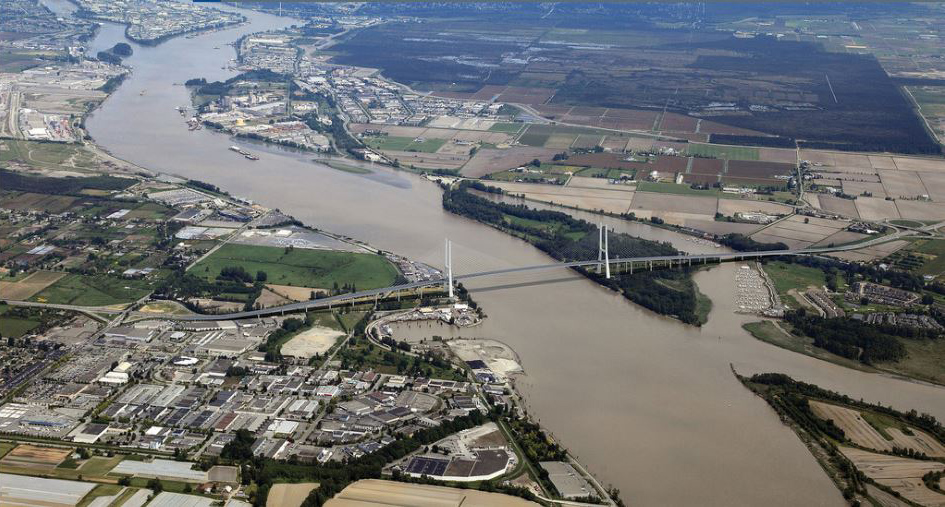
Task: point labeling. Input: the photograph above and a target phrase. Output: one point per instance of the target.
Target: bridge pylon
(449, 268)
(600, 246)
(603, 254)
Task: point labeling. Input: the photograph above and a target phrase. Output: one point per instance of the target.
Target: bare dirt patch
(29, 286)
(858, 188)
(493, 160)
(840, 206)
(316, 340)
(584, 198)
(674, 203)
(603, 183)
(498, 356)
(289, 495)
(882, 162)
(31, 456)
(268, 298)
(853, 425)
(920, 210)
(427, 160)
(899, 184)
(720, 228)
(777, 155)
(919, 164)
(292, 292)
(165, 307)
(729, 207)
(876, 208)
(901, 474)
(376, 492)
(934, 184)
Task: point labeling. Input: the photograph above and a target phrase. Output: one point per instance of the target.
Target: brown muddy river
(648, 404)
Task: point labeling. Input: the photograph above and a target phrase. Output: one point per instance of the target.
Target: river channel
(648, 404)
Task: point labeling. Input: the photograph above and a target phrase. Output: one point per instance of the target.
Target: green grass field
(6, 447)
(426, 146)
(510, 128)
(392, 143)
(98, 466)
(719, 151)
(15, 327)
(349, 319)
(100, 491)
(302, 267)
(925, 360)
(793, 276)
(47, 155)
(93, 290)
(396, 143)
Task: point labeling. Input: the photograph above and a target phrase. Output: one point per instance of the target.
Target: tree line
(666, 292)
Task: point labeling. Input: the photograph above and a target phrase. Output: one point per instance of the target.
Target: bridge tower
(449, 268)
(606, 256)
(600, 246)
(603, 255)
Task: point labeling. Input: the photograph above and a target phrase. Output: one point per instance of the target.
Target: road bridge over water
(603, 263)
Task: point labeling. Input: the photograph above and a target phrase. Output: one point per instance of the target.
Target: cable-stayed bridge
(605, 264)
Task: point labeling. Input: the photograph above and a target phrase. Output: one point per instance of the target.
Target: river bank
(640, 399)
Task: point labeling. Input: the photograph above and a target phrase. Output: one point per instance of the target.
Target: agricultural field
(877, 431)
(720, 151)
(931, 103)
(378, 492)
(31, 456)
(303, 267)
(903, 475)
(800, 232)
(93, 290)
(585, 198)
(27, 287)
(622, 83)
(489, 160)
(289, 495)
(509, 128)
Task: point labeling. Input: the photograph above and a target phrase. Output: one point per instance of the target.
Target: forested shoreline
(564, 238)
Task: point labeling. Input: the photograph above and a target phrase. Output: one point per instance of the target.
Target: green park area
(301, 267)
(787, 276)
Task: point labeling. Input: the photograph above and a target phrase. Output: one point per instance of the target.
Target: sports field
(301, 266)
